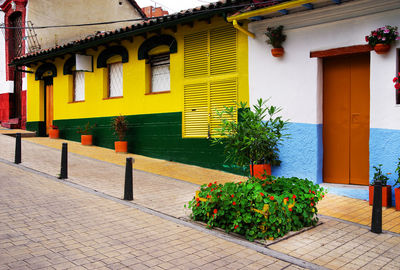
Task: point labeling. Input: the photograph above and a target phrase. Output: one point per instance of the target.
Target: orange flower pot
(121, 146)
(277, 52)
(86, 139)
(386, 195)
(259, 169)
(382, 48)
(54, 133)
(397, 198)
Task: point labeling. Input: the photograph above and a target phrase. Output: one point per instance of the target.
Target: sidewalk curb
(256, 247)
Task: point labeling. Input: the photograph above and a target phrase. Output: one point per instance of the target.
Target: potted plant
(381, 38)
(254, 139)
(397, 190)
(386, 189)
(86, 136)
(54, 132)
(120, 126)
(276, 37)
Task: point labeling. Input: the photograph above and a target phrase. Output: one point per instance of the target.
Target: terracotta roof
(204, 11)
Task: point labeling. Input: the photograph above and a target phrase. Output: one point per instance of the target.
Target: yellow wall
(134, 100)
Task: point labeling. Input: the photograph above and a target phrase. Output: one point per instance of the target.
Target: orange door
(49, 107)
(346, 119)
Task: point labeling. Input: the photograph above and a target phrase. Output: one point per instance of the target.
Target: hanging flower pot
(277, 52)
(382, 48)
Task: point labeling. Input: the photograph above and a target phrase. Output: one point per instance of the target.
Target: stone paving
(49, 225)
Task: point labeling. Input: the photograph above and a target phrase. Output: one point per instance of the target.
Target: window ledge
(160, 92)
(77, 101)
(112, 97)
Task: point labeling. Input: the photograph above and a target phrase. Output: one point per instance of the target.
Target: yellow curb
(188, 173)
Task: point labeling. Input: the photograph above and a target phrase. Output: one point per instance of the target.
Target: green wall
(153, 135)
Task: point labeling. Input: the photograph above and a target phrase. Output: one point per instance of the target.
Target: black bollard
(64, 161)
(376, 223)
(17, 159)
(128, 192)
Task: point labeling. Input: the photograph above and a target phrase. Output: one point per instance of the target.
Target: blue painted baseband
(302, 155)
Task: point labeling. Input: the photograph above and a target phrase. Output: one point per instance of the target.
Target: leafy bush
(379, 176)
(120, 126)
(257, 208)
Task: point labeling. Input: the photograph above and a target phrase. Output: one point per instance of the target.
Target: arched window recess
(110, 52)
(155, 41)
(45, 70)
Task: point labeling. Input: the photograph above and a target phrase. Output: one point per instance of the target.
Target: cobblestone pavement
(162, 193)
(45, 224)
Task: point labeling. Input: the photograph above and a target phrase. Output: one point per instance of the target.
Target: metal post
(376, 223)
(64, 161)
(128, 192)
(17, 159)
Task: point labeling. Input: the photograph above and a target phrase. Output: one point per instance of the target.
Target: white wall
(5, 87)
(294, 81)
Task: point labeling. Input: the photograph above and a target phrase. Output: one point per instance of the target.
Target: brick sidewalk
(49, 225)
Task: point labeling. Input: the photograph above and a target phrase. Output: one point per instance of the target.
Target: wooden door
(49, 106)
(346, 119)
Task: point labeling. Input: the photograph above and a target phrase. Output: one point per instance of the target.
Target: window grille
(160, 73)
(79, 86)
(115, 80)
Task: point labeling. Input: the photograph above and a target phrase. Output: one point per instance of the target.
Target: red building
(151, 11)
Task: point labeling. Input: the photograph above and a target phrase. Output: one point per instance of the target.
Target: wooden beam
(341, 51)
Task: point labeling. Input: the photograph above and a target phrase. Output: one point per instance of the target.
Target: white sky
(173, 6)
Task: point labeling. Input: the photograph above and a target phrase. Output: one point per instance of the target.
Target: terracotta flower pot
(54, 133)
(386, 195)
(259, 169)
(121, 146)
(397, 198)
(86, 139)
(382, 48)
(277, 52)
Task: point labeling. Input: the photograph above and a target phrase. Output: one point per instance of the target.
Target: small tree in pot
(86, 134)
(120, 126)
(254, 138)
(386, 189)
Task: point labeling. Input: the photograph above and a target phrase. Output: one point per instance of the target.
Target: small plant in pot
(54, 132)
(397, 184)
(276, 37)
(120, 127)
(386, 189)
(381, 38)
(254, 139)
(86, 134)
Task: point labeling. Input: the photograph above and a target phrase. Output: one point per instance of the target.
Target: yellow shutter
(195, 114)
(196, 55)
(222, 94)
(223, 50)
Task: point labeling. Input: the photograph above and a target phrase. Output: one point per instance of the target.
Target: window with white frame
(160, 73)
(79, 85)
(115, 80)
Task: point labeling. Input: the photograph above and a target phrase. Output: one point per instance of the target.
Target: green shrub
(257, 208)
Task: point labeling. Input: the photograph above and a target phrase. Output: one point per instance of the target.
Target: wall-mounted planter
(277, 52)
(87, 139)
(121, 146)
(259, 169)
(54, 133)
(386, 195)
(397, 198)
(382, 48)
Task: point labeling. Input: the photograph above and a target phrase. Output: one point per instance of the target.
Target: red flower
(262, 194)
(208, 196)
(271, 198)
(197, 199)
(309, 191)
(311, 204)
(313, 192)
(312, 198)
(236, 226)
(215, 211)
(209, 185)
(287, 198)
(397, 86)
(240, 182)
(198, 204)
(294, 196)
(366, 38)
(212, 190)
(232, 195)
(215, 182)
(234, 203)
(290, 209)
(395, 79)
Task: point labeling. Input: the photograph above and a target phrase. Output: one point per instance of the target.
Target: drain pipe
(241, 29)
